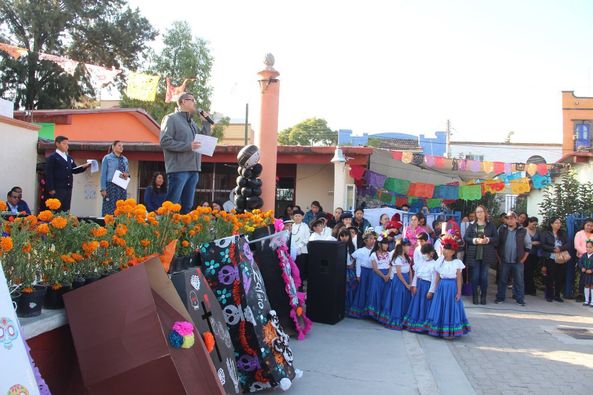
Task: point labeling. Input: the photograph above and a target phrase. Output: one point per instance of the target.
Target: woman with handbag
(555, 246)
(481, 239)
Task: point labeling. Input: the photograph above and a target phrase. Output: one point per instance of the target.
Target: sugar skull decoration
(248, 190)
(182, 335)
(8, 332)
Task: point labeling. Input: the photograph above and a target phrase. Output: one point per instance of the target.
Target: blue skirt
(375, 299)
(446, 317)
(396, 299)
(351, 286)
(419, 307)
(359, 300)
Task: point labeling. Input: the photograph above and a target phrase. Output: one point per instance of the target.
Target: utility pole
(246, 123)
(448, 140)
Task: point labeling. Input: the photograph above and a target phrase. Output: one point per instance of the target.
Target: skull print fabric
(262, 350)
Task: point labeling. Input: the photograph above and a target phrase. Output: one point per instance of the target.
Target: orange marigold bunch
(27, 248)
(53, 204)
(6, 244)
(31, 220)
(104, 244)
(76, 256)
(67, 259)
(42, 229)
(121, 230)
(90, 246)
(109, 219)
(59, 222)
(45, 216)
(145, 242)
(169, 207)
(3, 205)
(99, 231)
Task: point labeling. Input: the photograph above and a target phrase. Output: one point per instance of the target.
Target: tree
(106, 33)
(183, 57)
(566, 197)
(312, 131)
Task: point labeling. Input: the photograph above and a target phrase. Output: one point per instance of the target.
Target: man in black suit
(58, 173)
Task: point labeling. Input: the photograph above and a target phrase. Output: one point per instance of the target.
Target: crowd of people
(389, 265)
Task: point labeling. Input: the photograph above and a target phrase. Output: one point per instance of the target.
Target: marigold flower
(99, 231)
(104, 243)
(185, 243)
(129, 251)
(27, 248)
(109, 219)
(121, 230)
(53, 204)
(6, 244)
(67, 259)
(145, 242)
(176, 208)
(3, 205)
(31, 220)
(42, 229)
(59, 222)
(76, 256)
(90, 246)
(130, 202)
(45, 216)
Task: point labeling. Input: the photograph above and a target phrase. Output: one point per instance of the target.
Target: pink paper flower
(184, 328)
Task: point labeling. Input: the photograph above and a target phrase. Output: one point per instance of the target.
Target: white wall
(86, 198)
(315, 182)
(18, 150)
(507, 153)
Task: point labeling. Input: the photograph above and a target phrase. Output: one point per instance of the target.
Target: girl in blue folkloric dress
(364, 272)
(424, 274)
(351, 284)
(396, 296)
(379, 277)
(446, 317)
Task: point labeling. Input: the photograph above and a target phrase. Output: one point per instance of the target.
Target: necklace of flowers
(292, 280)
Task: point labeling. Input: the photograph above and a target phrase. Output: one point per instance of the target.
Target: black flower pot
(15, 296)
(30, 303)
(91, 280)
(54, 298)
(79, 282)
(182, 262)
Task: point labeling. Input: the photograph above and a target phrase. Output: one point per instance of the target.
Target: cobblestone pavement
(512, 349)
(523, 350)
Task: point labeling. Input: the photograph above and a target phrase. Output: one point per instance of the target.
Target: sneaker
(558, 299)
(520, 302)
(586, 304)
(497, 301)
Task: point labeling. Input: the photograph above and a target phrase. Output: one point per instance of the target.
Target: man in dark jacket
(59, 169)
(512, 253)
(182, 163)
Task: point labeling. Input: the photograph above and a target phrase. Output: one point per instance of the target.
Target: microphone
(206, 117)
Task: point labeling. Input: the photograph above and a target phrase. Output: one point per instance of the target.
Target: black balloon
(257, 169)
(242, 181)
(247, 173)
(256, 191)
(246, 191)
(255, 183)
(260, 202)
(240, 201)
(252, 202)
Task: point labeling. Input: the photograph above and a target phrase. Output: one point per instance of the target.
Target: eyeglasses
(190, 99)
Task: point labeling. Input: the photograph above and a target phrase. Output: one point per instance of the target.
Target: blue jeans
(569, 279)
(480, 277)
(181, 188)
(516, 269)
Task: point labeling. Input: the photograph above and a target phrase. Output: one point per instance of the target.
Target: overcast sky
(399, 66)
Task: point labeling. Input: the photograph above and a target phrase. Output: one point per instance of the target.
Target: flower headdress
(450, 244)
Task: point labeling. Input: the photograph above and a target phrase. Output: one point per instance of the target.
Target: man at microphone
(182, 163)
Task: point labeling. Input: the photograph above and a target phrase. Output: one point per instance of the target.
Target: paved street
(511, 350)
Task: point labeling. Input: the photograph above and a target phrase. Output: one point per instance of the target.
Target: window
(474, 157)
(582, 135)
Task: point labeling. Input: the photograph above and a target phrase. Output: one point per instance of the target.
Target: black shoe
(549, 300)
(558, 299)
(483, 299)
(521, 303)
(497, 300)
(475, 299)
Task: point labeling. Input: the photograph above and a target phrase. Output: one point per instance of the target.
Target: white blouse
(382, 263)
(448, 269)
(320, 236)
(363, 259)
(424, 270)
(300, 235)
(403, 264)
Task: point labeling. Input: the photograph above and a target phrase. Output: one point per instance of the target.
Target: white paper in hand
(94, 165)
(119, 180)
(208, 144)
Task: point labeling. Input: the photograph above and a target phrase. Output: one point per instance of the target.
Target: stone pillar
(339, 179)
(266, 138)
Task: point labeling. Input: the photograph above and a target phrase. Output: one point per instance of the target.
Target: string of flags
(140, 86)
(475, 166)
(397, 191)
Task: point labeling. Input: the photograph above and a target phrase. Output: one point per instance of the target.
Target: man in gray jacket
(182, 164)
(512, 253)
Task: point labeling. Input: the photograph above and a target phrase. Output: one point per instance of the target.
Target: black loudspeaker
(326, 286)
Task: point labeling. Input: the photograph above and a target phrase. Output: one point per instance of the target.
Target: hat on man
(316, 222)
(299, 212)
(511, 214)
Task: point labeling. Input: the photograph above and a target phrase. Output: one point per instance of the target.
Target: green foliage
(566, 197)
(312, 131)
(103, 32)
(520, 204)
(183, 57)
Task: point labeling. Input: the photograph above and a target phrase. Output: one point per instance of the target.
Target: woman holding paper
(115, 173)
